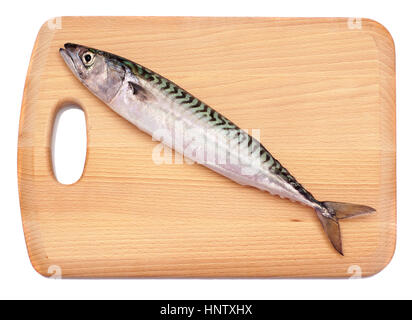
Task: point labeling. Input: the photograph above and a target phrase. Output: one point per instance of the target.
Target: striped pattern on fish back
(184, 98)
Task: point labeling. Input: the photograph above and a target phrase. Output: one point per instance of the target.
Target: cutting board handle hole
(69, 144)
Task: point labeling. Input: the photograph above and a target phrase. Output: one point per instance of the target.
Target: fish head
(101, 72)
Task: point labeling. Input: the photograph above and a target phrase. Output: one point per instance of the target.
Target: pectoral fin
(139, 92)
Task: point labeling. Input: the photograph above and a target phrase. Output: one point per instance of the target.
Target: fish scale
(155, 104)
(178, 93)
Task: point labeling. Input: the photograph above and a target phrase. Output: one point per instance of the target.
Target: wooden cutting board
(322, 93)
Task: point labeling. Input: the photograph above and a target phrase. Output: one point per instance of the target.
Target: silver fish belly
(182, 122)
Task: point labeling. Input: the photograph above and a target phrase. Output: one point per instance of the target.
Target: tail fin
(334, 211)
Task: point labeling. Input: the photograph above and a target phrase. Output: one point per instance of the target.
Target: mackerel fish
(184, 123)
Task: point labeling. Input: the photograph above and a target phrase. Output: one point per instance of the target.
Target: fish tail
(330, 214)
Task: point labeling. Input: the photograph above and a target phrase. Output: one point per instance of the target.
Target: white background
(20, 22)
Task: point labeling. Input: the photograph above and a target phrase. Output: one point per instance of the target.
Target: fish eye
(88, 58)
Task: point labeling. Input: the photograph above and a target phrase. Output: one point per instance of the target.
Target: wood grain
(323, 96)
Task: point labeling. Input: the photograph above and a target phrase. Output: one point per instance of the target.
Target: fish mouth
(66, 54)
(68, 59)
